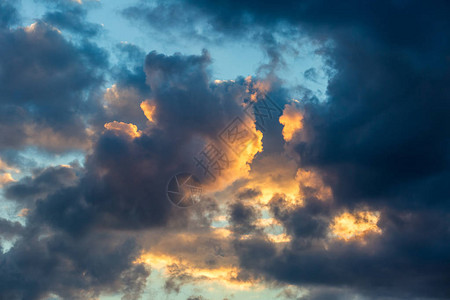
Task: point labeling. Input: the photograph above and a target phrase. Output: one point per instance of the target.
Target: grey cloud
(45, 85)
(70, 268)
(242, 218)
(9, 229)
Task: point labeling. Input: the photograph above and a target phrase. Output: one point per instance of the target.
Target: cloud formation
(45, 82)
(379, 141)
(336, 198)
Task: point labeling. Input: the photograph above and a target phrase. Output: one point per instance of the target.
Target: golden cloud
(355, 226)
(197, 256)
(5, 179)
(292, 121)
(128, 129)
(275, 174)
(239, 165)
(149, 110)
(5, 167)
(172, 266)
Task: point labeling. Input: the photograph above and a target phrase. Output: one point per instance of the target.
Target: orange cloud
(5, 167)
(5, 179)
(126, 128)
(348, 226)
(5, 175)
(166, 263)
(239, 165)
(188, 255)
(292, 121)
(149, 110)
(275, 174)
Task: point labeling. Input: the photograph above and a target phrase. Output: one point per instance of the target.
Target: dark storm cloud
(380, 140)
(185, 99)
(42, 183)
(410, 253)
(66, 259)
(70, 245)
(124, 179)
(306, 222)
(70, 268)
(242, 218)
(122, 186)
(44, 85)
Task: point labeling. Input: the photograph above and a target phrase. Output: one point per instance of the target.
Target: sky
(203, 150)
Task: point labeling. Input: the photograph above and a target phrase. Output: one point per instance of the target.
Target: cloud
(122, 185)
(41, 183)
(184, 100)
(72, 18)
(71, 15)
(122, 101)
(171, 17)
(148, 110)
(355, 226)
(180, 22)
(5, 178)
(9, 229)
(45, 83)
(8, 14)
(69, 268)
(292, 122)
(130, 130)
(242, 218)
(355, 205)
(248, 193)
(379, 141)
